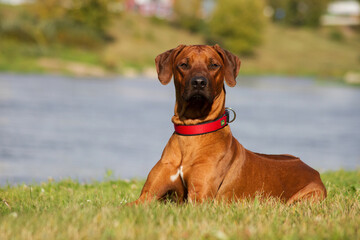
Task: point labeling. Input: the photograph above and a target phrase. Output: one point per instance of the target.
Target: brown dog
(215, 165)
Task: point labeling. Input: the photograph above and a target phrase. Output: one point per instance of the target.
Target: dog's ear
(164, 64)
(232, 65)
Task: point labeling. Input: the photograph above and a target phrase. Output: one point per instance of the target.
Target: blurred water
(52, 126)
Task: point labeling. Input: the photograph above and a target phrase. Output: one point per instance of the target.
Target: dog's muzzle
(198, 90)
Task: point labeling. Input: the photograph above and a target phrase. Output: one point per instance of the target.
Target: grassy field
(301, 51)
(70, 210)
(138, 40)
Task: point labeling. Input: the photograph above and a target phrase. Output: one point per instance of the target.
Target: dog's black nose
(199, 82)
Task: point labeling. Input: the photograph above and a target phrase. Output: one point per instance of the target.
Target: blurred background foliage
(188, 14)
(121, 36)
(237, 25)
(69, 22)
(298, 12)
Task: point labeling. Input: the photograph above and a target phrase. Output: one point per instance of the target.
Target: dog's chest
(180, 174)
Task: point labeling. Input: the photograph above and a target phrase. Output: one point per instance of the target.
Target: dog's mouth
(197, 97)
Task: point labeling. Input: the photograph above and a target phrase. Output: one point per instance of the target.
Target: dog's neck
(187, 115)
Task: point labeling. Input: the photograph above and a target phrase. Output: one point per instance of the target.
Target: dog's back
(283, 176)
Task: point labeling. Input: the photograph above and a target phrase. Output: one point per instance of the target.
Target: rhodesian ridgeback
(202, 159)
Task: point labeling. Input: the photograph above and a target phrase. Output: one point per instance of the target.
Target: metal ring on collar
(230, 109)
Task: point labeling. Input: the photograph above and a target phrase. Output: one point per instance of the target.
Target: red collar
(203, 128)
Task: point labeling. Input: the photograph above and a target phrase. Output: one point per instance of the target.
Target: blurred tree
(305, 12)
(237, 25)
(71, 22)
(48, 9)
(299, 12)
(188, 14)
(91, 13)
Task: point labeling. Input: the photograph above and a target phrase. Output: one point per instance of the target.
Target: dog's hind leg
(313, 192)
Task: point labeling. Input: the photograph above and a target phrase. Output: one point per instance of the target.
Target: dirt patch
(74, 68)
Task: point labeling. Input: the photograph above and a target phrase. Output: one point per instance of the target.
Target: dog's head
(199, 72)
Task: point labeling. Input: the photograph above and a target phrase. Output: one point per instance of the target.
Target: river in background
(59, 127)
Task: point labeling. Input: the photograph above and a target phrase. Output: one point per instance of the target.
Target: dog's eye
(214, 66)
(183, 65)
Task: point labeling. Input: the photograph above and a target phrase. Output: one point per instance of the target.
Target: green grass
(138, 40)
(301, 51)
(25, 57)
(71, 210)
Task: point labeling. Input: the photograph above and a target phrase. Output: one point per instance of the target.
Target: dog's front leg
(162, 179)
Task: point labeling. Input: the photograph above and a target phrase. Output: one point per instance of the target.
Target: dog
(202, 160)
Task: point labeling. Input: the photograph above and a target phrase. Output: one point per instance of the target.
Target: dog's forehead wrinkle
(186, 59)
(213, 60)
(198, 50)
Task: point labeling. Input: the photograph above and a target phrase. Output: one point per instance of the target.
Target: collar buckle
(227, 113)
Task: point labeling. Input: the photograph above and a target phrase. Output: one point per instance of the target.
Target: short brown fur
(216, 165)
